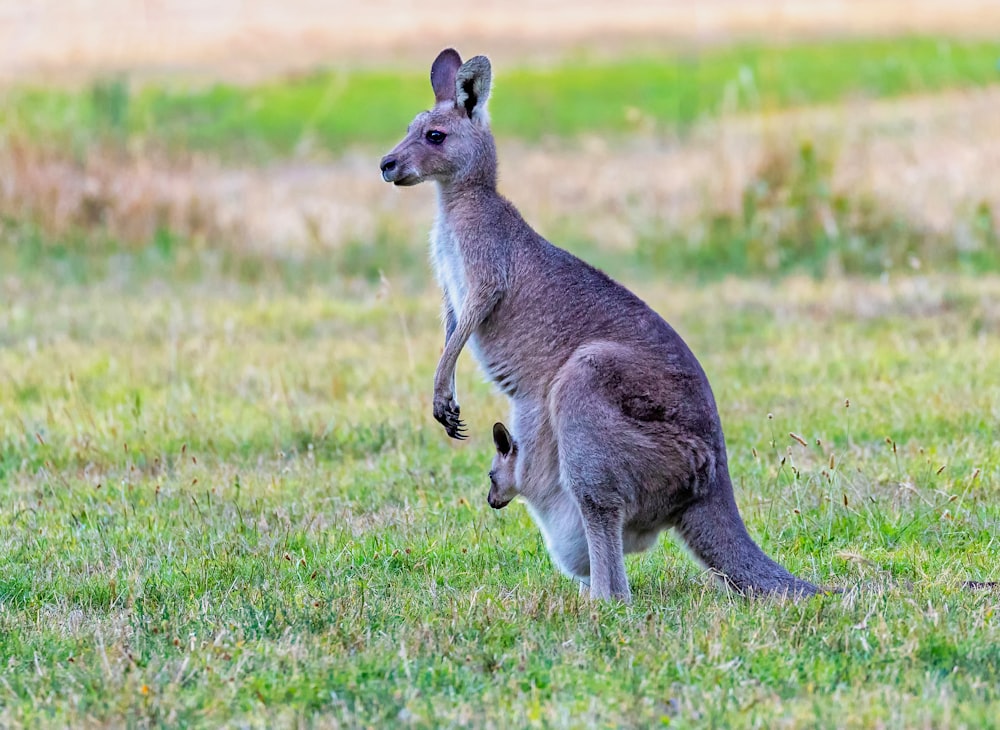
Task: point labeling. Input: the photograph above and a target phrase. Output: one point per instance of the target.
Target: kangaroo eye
(435, 137)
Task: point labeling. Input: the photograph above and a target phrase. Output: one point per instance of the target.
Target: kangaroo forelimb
(478, 305)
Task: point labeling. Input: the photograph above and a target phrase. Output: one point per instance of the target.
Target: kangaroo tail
(714, 531)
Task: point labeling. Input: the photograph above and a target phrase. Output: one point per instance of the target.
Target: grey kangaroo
(616, 431)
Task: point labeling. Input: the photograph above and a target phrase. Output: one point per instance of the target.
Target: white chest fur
(449, 268)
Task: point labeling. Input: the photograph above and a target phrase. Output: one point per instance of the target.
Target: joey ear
(443, 72)
(502, 439)
(472, 87)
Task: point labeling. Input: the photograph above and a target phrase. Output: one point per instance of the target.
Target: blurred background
(728, 137)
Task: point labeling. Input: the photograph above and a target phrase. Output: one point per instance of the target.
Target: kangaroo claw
(446, 412)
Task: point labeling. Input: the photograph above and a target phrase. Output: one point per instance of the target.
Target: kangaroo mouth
(400, 179)
(497, 504)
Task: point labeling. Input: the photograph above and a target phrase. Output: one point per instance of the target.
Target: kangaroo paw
(446, 412)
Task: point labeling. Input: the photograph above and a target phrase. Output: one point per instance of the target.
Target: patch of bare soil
(74, 39)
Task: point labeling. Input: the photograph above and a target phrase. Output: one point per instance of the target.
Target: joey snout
(495, 503)
(496, 498)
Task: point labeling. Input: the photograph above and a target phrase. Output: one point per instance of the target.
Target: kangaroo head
(503, 486)
(452, 142)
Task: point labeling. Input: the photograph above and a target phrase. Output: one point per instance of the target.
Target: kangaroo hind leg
(607, 556)
(585, 474)
(588, 470)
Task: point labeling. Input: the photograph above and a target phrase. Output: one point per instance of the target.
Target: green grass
(333, 109)
(223, 500)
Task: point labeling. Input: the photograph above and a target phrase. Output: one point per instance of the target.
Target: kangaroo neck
(455, 196)
(476, 180)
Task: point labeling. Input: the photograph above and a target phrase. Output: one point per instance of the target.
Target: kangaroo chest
(449, 268)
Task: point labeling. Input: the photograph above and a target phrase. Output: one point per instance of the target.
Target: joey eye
(435, 136)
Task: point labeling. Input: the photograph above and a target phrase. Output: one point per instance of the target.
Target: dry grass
(129, 197)
(68, 39)
(929, 160)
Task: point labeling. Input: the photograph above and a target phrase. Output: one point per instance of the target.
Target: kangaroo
(617, 432)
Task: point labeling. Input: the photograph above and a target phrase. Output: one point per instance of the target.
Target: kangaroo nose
(388, 167)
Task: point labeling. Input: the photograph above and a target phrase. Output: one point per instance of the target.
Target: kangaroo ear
(472, 87)
(502, 439)
(443, 72)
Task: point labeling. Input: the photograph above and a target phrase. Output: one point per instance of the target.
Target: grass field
(224, 501)
(218, 509)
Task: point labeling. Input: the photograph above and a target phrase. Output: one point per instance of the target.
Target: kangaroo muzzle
(398, 172)
(495, 502)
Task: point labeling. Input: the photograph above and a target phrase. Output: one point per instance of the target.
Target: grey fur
(617, 432)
